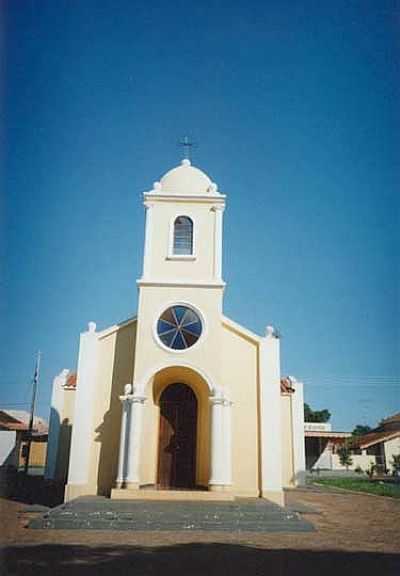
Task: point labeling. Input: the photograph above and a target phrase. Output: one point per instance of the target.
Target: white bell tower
(183, 237)
(182, 267)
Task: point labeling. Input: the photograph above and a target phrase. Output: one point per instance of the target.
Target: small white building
(180, 397)
(375, 448)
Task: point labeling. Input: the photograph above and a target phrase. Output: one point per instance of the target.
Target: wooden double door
(177, 437)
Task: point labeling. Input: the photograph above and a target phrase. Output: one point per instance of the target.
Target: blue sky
(294, 106)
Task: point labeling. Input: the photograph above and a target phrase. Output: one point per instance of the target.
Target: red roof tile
(372, 438)
(71, 380)
(8, 422)
(394, 418)
(286, 386)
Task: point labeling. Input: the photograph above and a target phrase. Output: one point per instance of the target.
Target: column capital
(132, 395)
(217, 400)
(148, 204)
(218, 208)
(133, 399)
(220, 397)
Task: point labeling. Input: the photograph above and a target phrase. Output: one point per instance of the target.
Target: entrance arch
(177, 437)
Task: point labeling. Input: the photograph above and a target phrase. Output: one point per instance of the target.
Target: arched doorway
(177, 437)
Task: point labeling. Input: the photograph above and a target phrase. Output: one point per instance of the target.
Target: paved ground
(355, 535)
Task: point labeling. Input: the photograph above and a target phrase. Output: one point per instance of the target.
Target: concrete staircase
(98, 513)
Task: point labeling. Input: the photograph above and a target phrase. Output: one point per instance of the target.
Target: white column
(298, 443)
(228, 442)
(221, 444)
(56, 409)
(218, 209)
(147, 239)
(270, 414)
(123, 442)
(132, 479)
(82, 429)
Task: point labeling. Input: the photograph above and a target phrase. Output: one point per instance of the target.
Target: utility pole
(34, 391)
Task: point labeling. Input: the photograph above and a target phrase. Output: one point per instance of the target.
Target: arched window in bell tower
(183, 236)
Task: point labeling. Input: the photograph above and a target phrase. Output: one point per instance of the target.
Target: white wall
(8, 452)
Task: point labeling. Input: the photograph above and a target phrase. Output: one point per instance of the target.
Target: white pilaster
(147, 239)
(136, 403)
(219, 209)
(228, 442)
(270, 414)
(56, 409)
(123, 441)
(221, 443)
(82, 433)
(298, 444)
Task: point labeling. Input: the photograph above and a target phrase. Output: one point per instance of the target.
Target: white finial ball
(186, 162)
(156, 186)
(213, 188)
(269, 331)
(92, 326)
(128, 389)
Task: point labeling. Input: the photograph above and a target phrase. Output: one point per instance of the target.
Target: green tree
(361, 429)
(345, 456)
(316, 415)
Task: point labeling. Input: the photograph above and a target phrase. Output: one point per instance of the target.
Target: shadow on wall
(193, 559)
(63, 452)
(314, 448)
(108, 432)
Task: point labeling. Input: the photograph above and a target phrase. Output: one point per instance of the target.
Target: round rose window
(179, 327)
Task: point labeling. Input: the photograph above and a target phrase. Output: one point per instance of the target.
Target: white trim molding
(173, 363)
(168, 197)
(171, 283)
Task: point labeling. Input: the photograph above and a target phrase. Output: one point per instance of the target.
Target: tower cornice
(217, 200)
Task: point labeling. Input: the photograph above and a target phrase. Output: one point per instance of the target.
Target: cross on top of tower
(187, 146)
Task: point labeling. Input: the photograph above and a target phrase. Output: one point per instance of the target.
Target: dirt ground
(355, 534)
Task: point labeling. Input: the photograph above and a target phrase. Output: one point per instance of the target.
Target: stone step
(146, 494)
(179, 516)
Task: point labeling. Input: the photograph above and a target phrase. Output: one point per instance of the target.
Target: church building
(179, 401)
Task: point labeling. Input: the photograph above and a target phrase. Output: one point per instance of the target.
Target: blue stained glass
(180, 312)
(179, 342)
(190, 317)
(165, 326)
(193, 328)
(179, 327)
(168, 337)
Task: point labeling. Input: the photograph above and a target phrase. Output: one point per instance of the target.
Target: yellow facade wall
(115, 369)
(240, 379)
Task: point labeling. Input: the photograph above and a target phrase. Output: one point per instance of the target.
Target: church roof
(187, 180)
